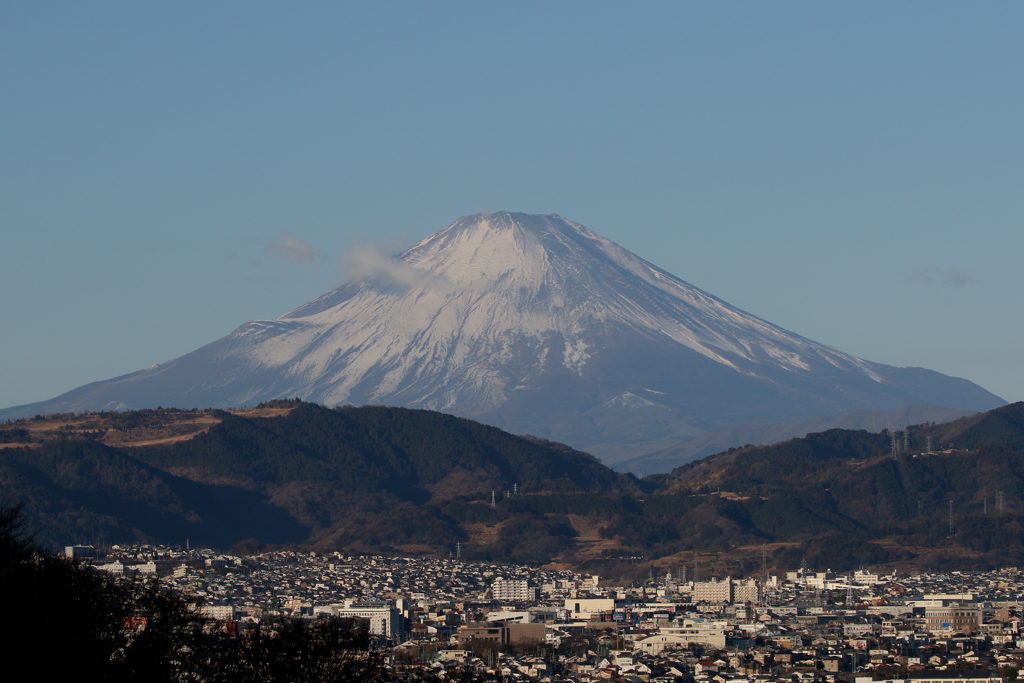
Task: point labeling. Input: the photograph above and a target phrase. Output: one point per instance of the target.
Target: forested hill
(288, 472)
(393, 480)
(847, 499)
(787, 464)
(411, 454)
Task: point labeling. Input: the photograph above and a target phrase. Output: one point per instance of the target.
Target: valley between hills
(398, 481)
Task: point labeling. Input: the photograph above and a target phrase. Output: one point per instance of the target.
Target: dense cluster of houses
(459, 619)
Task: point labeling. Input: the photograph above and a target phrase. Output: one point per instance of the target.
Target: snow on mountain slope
(534, 324)
(491, 284)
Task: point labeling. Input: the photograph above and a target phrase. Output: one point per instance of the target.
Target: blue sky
(853, 172)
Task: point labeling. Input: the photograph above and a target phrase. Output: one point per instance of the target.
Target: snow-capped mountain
(537, 325)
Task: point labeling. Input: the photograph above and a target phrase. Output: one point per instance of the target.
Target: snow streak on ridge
(457, 306)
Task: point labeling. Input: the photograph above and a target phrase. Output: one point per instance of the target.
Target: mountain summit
(533, 324)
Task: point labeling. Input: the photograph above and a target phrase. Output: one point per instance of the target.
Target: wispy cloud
(949, 277)
(291, 248)
(370, 262)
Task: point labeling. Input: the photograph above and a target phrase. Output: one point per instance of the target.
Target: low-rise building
(954, 618)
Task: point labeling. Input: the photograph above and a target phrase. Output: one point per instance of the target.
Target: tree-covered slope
(844, 489)
(406, 453)
(370, 477)
(394, 480)
(80, 491)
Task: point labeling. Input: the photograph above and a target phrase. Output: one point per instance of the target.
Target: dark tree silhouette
(122, 630)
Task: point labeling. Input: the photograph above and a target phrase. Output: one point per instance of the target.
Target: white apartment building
(588, 608)
(516, 590)
(385, 620)
(727, 591)
(682, 634)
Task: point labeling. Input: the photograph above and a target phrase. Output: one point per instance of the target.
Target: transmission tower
(764, 564)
